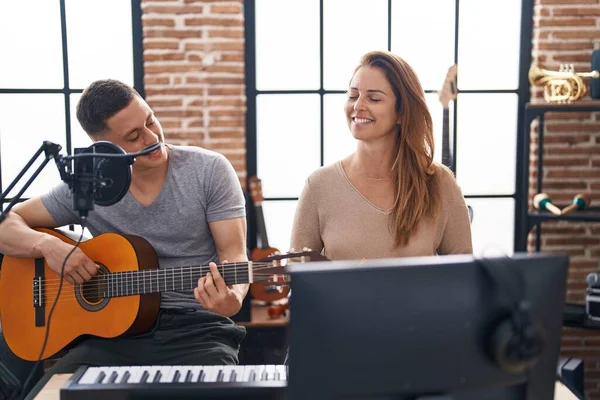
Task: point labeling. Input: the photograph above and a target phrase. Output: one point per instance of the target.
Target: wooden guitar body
(80, 310)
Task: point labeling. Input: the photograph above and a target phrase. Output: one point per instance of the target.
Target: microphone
(101, 174)
(593, 280)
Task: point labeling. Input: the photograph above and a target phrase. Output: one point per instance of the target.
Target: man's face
(134, 128)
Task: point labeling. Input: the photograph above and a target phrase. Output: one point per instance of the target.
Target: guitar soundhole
(89, 294)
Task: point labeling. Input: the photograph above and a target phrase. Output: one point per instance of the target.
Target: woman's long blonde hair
(416, 187)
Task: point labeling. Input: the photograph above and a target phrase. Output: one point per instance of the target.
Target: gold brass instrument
(561, 86)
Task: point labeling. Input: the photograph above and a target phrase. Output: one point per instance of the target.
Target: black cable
(62, 272)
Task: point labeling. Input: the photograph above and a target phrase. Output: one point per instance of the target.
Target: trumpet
(562, 86)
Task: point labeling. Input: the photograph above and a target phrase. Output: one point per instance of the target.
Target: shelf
(591, 214)
(574, 316)
(582, 105)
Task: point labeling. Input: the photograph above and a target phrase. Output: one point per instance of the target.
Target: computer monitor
(409, 328)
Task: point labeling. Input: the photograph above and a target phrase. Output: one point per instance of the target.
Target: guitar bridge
(38, 292)
(39, 298)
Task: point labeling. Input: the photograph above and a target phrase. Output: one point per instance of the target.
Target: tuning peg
(580, 202)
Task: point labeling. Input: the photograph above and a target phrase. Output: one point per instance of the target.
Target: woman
(388, 198)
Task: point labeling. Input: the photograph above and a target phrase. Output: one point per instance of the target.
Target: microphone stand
(83, 181)
(51, 152)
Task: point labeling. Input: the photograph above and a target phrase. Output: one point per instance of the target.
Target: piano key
(195, 373)
(109, 374)
(260, 373)
(183, 371)
(136, 374)
(227, 370)
(144, 377)
(238, 370)
(270, 372)
(165, 376)
(282, 372)
(152, 373)
(125, 377)
(120, 371)
(246, 374)
(90, 375)
(212, 371)
(173, 374)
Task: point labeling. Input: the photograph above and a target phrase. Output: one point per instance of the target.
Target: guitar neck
(262, 229)
(446, 155)
(148, 281)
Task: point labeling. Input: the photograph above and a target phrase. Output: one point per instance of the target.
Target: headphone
(515, 342)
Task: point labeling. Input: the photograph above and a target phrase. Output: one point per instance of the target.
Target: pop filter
(102, 174)
(111, 176)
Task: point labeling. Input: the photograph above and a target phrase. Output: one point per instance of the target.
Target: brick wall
(194, 73)
(567, 31)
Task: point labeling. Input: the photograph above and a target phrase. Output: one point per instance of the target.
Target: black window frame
(66, 91)
(522, 92)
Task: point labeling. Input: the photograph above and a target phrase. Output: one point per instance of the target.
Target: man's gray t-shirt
(201, 187)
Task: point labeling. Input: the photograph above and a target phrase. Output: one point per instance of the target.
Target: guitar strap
(38, 300)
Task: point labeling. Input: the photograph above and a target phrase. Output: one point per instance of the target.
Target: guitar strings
(160, 280)
(185, 270)
(68, 296)
(118, 286)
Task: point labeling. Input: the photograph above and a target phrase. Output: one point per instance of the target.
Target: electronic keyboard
(177, 381)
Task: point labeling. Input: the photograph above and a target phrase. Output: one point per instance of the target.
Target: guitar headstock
(303, 256)
(449, 90)
(255, 186)
(271, 271)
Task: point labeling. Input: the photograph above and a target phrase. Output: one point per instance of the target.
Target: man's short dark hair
(100, 101)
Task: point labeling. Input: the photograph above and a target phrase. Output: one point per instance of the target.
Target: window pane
(493, 226)
(30, 58)
(338, 140)
(351, 28)
(487, 136)
(99, 36)
(288, 133)
(489, 47)
(279, 218)
(19, 141)
(78, 136)
(287, 45)
(436, 36)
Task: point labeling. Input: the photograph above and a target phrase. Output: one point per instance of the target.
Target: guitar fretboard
(130, 283)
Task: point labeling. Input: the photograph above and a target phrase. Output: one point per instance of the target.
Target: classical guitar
(265, 293)
(123, 298)
(446, 95)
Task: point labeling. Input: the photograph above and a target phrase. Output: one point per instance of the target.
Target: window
(299, 61)
(48, 57)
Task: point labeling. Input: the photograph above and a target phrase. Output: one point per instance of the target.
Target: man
(187, 202)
